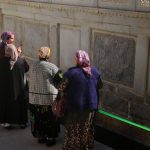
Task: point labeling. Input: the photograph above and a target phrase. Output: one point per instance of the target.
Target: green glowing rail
(124, 120)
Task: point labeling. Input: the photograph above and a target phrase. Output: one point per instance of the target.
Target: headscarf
(6, 35)
(44, 52)
(83, 61)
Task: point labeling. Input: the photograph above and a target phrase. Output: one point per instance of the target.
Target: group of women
(80, 87)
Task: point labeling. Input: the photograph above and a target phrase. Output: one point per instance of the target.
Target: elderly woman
(8, 57)
(80, 87)
(42, 93)
(19, 104)
(8, 48)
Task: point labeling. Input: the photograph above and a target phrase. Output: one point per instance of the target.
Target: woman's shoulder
(11, 46)
(49, 65)
(73, 71)
(95, 70)
(72, 68)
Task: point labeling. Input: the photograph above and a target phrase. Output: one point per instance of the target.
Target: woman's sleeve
(11, 52)
(57, 79)
(100, 83)
(26, 65)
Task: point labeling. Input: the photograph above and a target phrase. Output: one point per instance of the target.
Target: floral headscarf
(44, 52)
(83, 61)
(6, 35)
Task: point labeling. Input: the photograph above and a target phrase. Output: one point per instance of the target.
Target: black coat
(13, 102)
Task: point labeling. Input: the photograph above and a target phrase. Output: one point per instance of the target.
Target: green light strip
(124, 120)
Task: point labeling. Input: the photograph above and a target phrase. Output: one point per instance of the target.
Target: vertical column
(1, 21)
(141, 62)
(54, 43)
(148, 87)
(85, 38)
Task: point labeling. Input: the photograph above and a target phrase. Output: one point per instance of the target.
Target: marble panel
(117, 4)
(8, 23)
(69, 43)
(140, 111)
(19, 33)
(92, 3)
(114, 55)
(40, 1)
(35, 36)
(54, 45)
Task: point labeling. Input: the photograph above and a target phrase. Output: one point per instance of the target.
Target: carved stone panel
(143, 5)
(115, 56)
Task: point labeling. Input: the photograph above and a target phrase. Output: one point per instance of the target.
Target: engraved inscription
(114, 56)
(145, 3)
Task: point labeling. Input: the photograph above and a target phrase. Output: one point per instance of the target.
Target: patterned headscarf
(44, 52)
(6, 35)
(83, 61)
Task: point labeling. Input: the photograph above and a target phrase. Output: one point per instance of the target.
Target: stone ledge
(79, 9)
(129, 131)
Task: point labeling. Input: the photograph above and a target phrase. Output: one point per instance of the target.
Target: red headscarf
(83, 61)
(6, 35)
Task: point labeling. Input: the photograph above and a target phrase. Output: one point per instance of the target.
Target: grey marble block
(115, 56)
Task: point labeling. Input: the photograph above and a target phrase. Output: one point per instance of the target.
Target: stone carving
(145, 3)
(115, 56)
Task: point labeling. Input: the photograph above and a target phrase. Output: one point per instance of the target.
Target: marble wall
(116, 33)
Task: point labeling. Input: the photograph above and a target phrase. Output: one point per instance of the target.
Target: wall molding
(79, 9)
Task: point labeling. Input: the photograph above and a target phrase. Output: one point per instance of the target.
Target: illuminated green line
(124, 120)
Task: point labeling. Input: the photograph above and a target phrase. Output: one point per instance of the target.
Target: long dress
(19, 101)
(5, 90)
(81, 99)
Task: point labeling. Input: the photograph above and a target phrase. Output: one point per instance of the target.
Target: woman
(9, 51)
(80, 87)
(19, 104)
(8, 57)
(42, 93)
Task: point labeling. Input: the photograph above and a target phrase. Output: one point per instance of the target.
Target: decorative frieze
(79, 9)
(145, 3)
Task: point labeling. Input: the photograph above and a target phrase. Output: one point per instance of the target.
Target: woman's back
(82, 89)
(42, 90)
